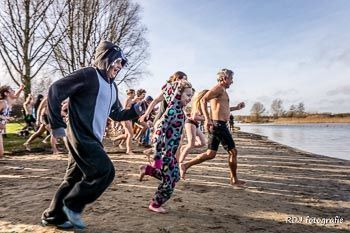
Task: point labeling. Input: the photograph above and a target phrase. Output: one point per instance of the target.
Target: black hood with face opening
(106, 53)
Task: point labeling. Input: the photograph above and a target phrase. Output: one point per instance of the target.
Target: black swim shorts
(220, 134)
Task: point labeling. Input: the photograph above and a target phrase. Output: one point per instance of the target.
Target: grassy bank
(13, 143)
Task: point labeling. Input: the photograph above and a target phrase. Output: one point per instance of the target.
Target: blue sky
(297, 51)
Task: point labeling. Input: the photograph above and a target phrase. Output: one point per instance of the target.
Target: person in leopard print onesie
(166, 141)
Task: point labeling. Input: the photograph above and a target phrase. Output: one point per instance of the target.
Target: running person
(178, 75)
(44, 126)
(166, 141)
(7, 98)
(93, 97)
(232, 123)
(127, 125)
(192, 127)
(217, 127)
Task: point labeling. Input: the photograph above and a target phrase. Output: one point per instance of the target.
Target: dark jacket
(92, 99)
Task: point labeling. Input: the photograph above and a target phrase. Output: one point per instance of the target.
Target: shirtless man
(216, 126)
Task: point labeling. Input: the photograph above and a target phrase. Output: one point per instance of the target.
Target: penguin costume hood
(106, 53)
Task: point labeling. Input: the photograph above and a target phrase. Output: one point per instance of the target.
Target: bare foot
(148, 151)
(26, 145)
(182, 171)
(160, 209)
(130, 153)
(116, 142)
(142, 169)
(237, 182)
(121, 146)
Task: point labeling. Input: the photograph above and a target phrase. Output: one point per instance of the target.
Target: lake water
(332, 140)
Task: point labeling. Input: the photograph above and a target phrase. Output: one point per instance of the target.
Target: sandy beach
(287, 191)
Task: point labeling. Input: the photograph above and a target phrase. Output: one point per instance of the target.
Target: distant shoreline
(305, 120)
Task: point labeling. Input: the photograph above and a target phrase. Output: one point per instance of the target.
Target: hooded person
(93, 97)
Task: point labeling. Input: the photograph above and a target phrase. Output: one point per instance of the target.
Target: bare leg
(232, 163)
(178, 151)
(142, 169)
(118, 140)
(191, 138)
(209, 154)
(129, 132)
(53, 142)
(39, 132)
(46, 138)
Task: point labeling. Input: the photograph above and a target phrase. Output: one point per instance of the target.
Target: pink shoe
(160, 209)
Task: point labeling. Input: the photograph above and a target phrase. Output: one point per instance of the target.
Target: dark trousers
(89, 173)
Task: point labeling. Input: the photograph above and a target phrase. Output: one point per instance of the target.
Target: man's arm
(237, 107)
(119, 114)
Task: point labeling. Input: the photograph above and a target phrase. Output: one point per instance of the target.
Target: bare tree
(90, 21)
(277, 108)
(24, 37)
(292, 111)
(301, 109)
(257, 110)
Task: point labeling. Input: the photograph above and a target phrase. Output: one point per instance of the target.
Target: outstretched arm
(156, 101)
(237, 107)
(18, 92)
(119, 114)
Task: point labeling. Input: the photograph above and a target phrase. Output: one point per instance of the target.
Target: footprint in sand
(208, 209)
(177, 199)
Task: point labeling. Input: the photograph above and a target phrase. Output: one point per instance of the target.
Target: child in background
(127, 125)
(7, 98)
(44, 126)
(166, 140)
(192, 127)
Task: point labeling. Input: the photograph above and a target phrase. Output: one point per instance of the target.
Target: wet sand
(287, 190)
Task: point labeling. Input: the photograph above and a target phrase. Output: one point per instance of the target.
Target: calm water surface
(332, 140)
